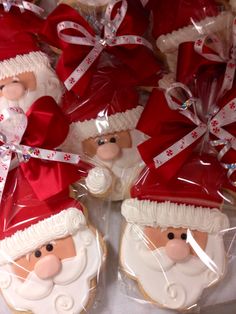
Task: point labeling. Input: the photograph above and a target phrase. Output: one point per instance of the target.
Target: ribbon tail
(228, 78)
(169, 162)
(77, 74)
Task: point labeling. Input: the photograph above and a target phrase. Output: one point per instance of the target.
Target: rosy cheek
(155, 238)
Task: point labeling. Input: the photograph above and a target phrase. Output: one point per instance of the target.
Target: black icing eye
(37, 253)
(101, 142)
(49, 247)
(112, 140)
(1, 87)
(184, 236)
(170, 235)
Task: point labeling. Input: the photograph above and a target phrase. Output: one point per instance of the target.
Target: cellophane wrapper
(186, 187)
(182, 21)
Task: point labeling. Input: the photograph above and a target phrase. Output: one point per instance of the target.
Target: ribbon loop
(214, 126)
(22, 5)
(219, 55)
(109, 39)
(14, 121)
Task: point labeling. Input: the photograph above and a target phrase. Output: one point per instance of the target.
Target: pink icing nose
(108, 151)
(177, 250)
(47, 267)
(13, 91)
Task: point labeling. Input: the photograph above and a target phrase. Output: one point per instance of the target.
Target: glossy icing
(165, 282)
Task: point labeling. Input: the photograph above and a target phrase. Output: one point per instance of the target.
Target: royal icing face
(117, 153)
(173, 239)
(172, 268)
(45, 261)
(107, 147)
(57, 277)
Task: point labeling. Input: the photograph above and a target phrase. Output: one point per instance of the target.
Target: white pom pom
(99, 180)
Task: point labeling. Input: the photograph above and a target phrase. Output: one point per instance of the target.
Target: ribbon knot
(12, 128)
(213, 126)
(109, 39)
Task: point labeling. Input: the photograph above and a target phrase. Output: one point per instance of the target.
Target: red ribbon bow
(178, 131)
(124, 24)
(208, 53)
(47, 128)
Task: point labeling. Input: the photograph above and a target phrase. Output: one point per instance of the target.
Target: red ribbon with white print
(214, 126)
(220, 55)
(109, 38)
(23, 5)
(11, 135)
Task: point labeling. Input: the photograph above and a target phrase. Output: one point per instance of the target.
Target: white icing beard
(125, 168)
(47, 85)
(172, 285)
(67, 292)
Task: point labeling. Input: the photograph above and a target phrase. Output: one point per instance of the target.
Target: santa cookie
(172, 243)
(103, 130)
(25, 71)
(175, 22)
(50, 257)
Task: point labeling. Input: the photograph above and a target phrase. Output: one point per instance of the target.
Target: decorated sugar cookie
(25, 70)
(172, 244)
(182, 21)
(103, 130)
(50, 257)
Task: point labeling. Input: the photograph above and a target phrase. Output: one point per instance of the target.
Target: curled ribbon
(11, 145)
(23, 5)
(219, 55)
(98, 43)
(214, 125)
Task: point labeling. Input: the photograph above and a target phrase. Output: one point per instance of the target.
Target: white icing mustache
(159, 261)
(35, 288)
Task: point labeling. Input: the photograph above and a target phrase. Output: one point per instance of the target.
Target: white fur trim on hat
(171, 41)
(23, 63)
(55, 227)
(168, 214)
(117, 122)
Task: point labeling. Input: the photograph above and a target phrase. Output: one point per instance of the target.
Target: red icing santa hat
(27, 223)
(19, 51)
(185, 20)
(112, 105)
(190, 200)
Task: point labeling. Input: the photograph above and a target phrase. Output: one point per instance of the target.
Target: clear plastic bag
(176, 241)
(103, 131)
(50, 255)
(182, 21)
(121, 37)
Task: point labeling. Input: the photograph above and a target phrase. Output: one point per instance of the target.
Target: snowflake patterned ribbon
(109, 38)
(11, 145)
(219, 55)
(23, 5)
(214, 125)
